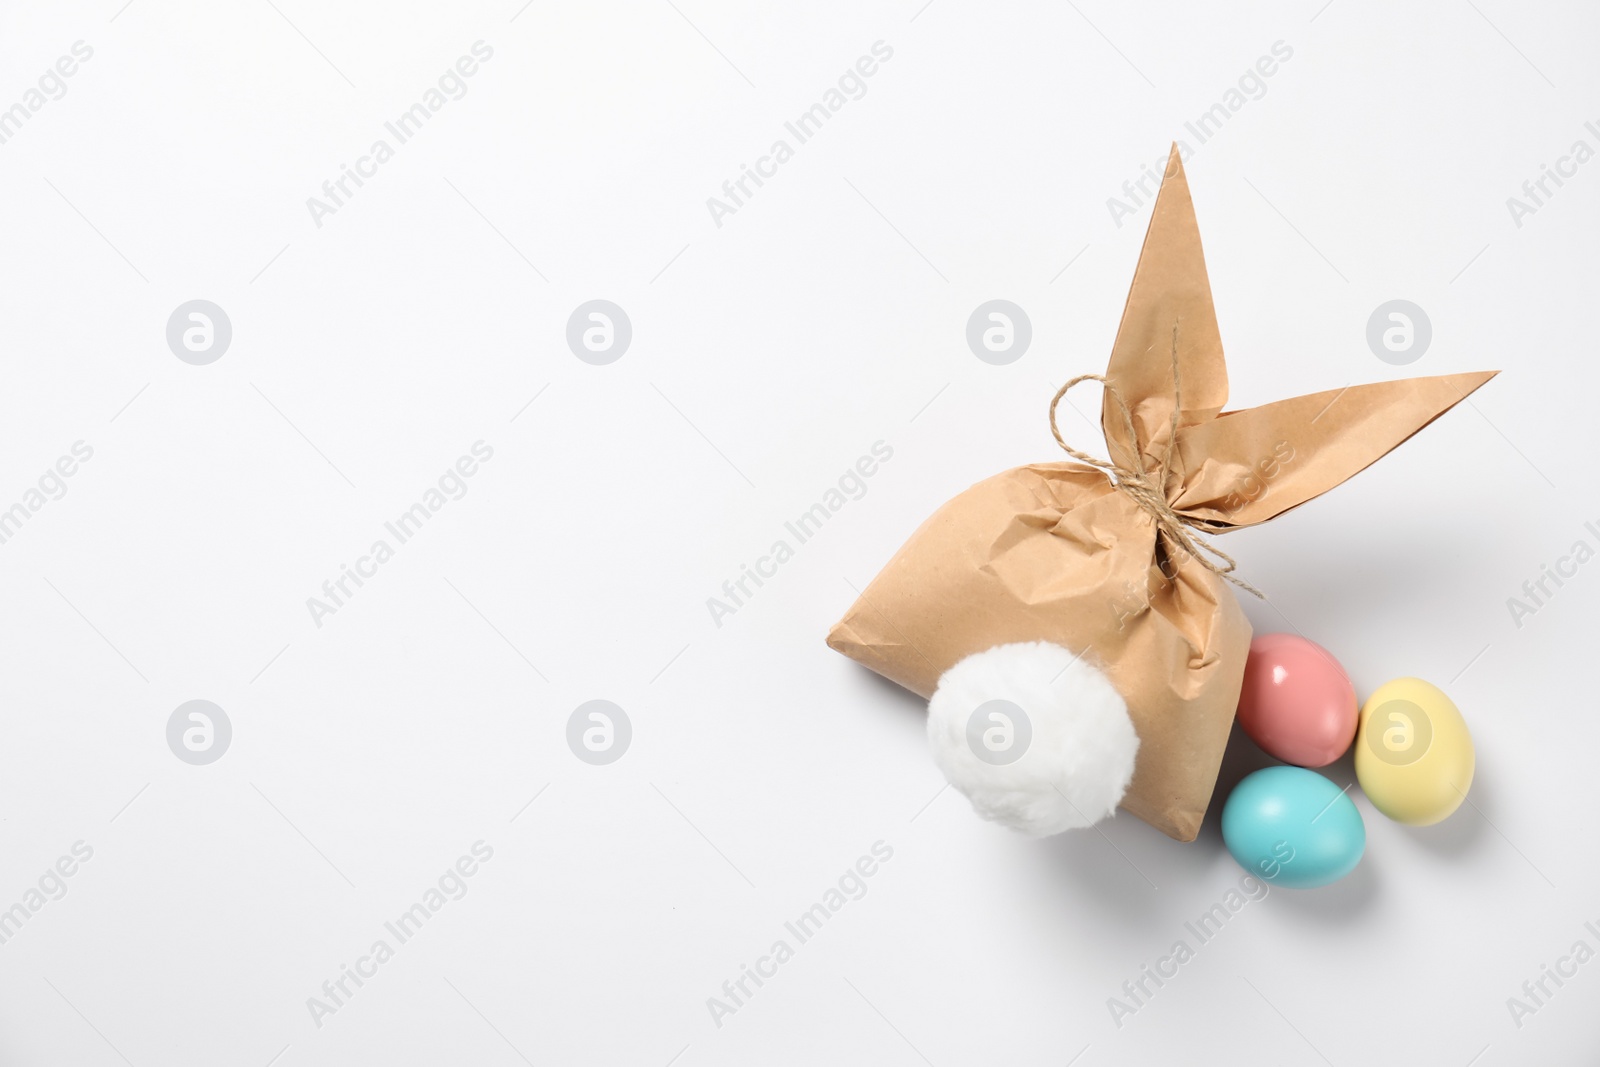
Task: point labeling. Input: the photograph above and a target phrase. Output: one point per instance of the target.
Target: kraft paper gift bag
(1066, 552)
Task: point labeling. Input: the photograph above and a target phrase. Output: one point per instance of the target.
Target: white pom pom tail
(1034, 736)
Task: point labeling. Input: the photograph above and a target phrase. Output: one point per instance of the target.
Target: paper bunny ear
(1245, 467)
(1169, 286)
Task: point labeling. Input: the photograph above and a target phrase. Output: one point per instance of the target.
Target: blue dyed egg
(1292, 827)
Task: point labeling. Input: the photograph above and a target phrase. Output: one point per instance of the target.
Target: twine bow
(1181, 531)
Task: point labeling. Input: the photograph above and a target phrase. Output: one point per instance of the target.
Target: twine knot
(1148, 488)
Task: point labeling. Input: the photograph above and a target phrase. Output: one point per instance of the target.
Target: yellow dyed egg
(1414, 756)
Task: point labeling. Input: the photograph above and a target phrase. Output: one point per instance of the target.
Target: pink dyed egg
(1297, 703)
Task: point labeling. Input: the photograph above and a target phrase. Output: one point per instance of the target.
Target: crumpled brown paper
(1055, 552)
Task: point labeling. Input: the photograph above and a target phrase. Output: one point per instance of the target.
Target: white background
(768, 354)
